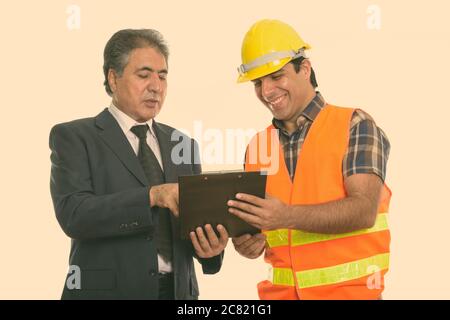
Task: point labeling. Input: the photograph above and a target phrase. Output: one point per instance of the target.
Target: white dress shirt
(126, 123)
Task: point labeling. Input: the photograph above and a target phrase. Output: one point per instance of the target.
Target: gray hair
(119, 47)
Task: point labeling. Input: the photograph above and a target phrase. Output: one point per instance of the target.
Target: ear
(112, 80)
(306, 68)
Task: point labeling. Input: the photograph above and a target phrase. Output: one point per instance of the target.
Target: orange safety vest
(310, 265)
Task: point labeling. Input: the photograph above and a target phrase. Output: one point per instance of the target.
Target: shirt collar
(126, 122)
(310, 112)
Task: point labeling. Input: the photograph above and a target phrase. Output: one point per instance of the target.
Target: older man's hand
(165, 196)
(209, 245)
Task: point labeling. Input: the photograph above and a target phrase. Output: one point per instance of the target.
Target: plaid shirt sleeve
(368, 149)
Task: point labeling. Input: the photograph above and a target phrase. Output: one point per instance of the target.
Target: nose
(267, 88)
(154, 85)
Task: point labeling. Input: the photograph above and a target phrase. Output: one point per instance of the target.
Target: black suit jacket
(101, 199)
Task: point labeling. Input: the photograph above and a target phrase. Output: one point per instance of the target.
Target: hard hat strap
(270, 57)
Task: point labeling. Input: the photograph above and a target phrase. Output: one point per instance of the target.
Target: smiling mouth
(275, 103)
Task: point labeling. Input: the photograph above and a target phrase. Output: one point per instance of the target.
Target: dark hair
(118, 48)
(297, 62)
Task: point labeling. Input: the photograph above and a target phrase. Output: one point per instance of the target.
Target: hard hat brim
(263, 70)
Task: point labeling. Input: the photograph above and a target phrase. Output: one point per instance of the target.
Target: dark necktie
(155, 176)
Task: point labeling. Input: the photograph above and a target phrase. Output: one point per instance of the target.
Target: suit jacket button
(152, 273)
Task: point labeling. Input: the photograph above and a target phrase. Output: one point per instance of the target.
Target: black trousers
(166, 286)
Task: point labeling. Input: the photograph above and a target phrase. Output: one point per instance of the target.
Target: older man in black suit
(113, 185)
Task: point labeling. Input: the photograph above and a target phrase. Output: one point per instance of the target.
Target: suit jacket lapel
(166, 145)
(114, 137)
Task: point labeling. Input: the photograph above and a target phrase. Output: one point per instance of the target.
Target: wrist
(151, 193)
(290, 213)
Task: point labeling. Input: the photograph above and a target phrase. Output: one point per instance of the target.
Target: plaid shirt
(368, 148)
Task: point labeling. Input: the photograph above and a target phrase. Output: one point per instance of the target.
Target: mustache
(153, 97)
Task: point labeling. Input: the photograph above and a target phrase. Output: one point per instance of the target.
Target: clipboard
(203, 200)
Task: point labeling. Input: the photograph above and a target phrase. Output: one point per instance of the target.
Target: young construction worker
(324, 218)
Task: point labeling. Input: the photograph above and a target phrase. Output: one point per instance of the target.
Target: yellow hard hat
(267, 47)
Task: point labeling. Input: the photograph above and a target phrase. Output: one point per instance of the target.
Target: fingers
(247, 207)
(209, 245)
(176, 192)
(255, 250)
(198, 241)
(247, 212)
(174, 209)
(260, 236)
(176, 187)
(223, 234)
(239, 240)
(212, 240)
(246, 240)
(257, 201)
(247, 217)
(204, 244)
(195, 242)
(173, 206)
(252, 247)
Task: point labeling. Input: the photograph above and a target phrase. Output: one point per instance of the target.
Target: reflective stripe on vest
(342, 272)
(282, 277)
(280, 237)
(331, 275)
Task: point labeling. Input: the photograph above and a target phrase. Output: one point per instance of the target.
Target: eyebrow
(276, 72)
(165, 71)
